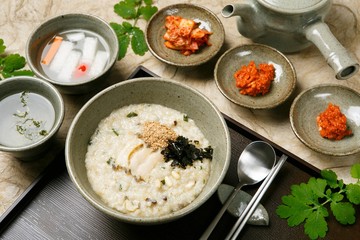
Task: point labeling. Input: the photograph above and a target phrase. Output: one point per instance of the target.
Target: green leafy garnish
(110, 161)
(128, 33)
(131, 114)
(11, 65)
(115, 132)
(43, 133)
(308, 202)
(2, 46)
(21, 114)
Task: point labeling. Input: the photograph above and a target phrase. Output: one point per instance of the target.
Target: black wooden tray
(51, 208)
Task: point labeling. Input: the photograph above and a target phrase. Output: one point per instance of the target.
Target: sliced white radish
(89, 49)
(60, 57)
(70, 65)
(99, 63)
(75, 37)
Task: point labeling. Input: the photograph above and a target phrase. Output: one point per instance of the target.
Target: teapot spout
(241, 10)
(344, 65)
(248, 25)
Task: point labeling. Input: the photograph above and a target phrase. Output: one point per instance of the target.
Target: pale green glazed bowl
(147, 90)
(156, 29)
(20, 84)
(48, 29)
(311, 102)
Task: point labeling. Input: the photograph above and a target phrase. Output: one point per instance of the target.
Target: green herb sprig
(308, 202)
(129, 33)
(11, 65)
(131, 115)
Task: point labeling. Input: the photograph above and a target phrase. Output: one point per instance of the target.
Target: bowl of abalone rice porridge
(148, 150)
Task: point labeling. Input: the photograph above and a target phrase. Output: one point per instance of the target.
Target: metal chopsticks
(240, 223)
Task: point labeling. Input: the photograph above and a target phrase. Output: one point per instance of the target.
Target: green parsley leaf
(344, 212)
(2, 46)
(336, 197)
(128, 33)
(136, 2)
(355, 171)
(353, 193)
(317, 186)
(148, 2)
(13, 62)
(294, 210)
(124, 42)
(18, 73)
(331, 178)
(138, 42)
(118, 28)
(148, 11)
(11, 65)
(307, 202)
(316, 225)
(128, 27)
(303, 192)
(126, 9)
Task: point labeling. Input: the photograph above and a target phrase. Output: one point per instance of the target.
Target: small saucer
(310, 103)
(155, 31)
(281, 88)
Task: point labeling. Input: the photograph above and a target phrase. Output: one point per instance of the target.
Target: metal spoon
(254, 164)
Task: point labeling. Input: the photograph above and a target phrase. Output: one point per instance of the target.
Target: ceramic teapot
(290, 26)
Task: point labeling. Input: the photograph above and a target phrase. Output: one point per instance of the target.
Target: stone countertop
(19, 18)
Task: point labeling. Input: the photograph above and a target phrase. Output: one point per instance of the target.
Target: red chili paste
(332, 123)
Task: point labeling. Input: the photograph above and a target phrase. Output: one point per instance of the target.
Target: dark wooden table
(52, 208)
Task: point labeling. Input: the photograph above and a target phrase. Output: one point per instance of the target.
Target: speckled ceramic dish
(281, 88)
(148, 90)
(310, 103)
(156, 29)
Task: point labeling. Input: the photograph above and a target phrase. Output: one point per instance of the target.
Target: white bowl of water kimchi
(75, 52)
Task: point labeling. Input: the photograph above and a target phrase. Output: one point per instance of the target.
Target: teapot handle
(335, 54)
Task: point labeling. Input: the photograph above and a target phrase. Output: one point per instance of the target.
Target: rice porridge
(130, 162)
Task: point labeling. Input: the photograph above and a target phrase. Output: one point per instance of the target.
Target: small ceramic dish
(155, 31)
(231, 61)
(310, 103)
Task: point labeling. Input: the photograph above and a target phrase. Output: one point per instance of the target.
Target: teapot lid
(294, 6)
